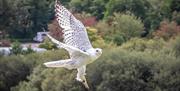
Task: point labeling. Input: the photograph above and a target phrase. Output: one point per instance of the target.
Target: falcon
(76, 42)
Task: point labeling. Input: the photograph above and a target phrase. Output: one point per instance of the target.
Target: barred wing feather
(75, 33)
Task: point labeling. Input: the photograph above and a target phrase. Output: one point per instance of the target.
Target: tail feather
(68, 63)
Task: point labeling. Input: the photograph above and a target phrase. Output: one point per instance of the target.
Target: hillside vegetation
(140, 41)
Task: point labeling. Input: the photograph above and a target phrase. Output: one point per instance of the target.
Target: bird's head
(94, 52)
(98, 51)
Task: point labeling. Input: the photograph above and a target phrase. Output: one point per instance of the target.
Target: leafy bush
(29, 50)
(139, 44)
(95, 7)
(116, 70)
(139, 8)
(104, 30)
(127, 25)
(47, 44)
(135, 71)
(16, 68)
(16, 48)
(119, 39)
(176, 17)
(13, 70)
(167, 30)
(174, 44)
(121, 28)
(94, 37)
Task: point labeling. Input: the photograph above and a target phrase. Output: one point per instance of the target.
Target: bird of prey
(76, 42)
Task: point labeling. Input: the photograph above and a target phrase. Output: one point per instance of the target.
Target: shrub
(167, 30)
(29, 50)
(16, 48)
(47, 44)
(134, 71)
(13, 70)
(128, 25)
(96, 39)
(121, 28)
(176, 17)
(174, 44)
(119, 39)
(138, 44)
(104, 30)
(116, 70)
(139, 8)
(16, 68)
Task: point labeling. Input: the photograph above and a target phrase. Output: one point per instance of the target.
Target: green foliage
(94, 7)
(16, 48)
(104, 30)
(29, 50)
(175, 45)
(16, 68)
(119, 39)
(92, 33)
(134, 71)
(176, 17)
(152, 12)
(47, 44)
(159, 10)
(120, 28)
(116, 70)
(137, 7)
(23, 18)
(138, 44)
(136, 65)
(127, 25)
(96, 39)
(13, 70)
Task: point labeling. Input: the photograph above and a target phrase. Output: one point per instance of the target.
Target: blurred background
(140, 41)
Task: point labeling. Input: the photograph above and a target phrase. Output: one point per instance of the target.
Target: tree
(167, 30)
(23, 18)
(94, 7)
(41, 12)
(125, 25)
(138, 7)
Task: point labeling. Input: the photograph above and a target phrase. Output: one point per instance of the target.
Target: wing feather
(75, 33)
(73, 51)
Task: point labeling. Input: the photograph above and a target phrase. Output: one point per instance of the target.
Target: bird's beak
(101, 51)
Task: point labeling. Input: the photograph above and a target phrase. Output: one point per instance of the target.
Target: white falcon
(76, 42)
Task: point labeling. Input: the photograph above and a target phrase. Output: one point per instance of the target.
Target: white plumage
(76, 42)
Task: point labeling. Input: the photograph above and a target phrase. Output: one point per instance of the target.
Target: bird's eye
(97, 50)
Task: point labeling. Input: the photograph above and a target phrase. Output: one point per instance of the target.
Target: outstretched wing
(73, 51)
(75, 33)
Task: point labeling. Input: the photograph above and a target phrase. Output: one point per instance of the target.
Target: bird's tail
(68, 63)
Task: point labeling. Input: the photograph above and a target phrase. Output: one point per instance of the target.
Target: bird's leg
(81, 76)
(85, 82)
